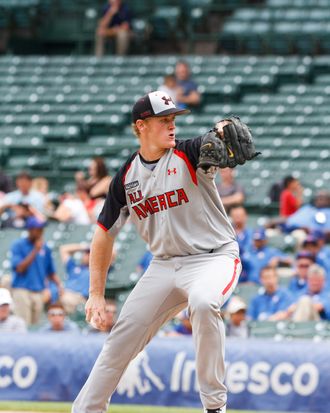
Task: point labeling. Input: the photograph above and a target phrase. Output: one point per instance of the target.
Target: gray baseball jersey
(176, 207)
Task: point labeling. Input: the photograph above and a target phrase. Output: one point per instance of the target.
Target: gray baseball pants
(203, 282)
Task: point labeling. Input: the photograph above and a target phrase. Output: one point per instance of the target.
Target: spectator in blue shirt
(314, 300)
(272, 302)
(57, 321)
(144, 262)
(32, 264)
(188, 94)
(261, 255)
(314, 216)
(18, 205)
(180, 325)
(315, 243)
(76, 286)
(114, 24)
(298, 282)
(238, 217)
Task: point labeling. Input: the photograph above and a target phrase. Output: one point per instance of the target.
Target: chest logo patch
(171, 171)
(131, 185)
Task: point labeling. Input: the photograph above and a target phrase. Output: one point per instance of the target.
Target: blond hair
(136, 130)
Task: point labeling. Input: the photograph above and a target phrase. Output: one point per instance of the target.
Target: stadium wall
(261, 374)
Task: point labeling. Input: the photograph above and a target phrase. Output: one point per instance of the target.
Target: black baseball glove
(233, 146)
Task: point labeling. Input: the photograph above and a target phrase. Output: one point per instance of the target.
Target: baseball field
(33, 407)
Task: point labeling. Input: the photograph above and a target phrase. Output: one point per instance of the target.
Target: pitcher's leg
(207, 294)
(150, 304)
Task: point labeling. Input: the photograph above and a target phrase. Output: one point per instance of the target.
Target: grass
(65, 408)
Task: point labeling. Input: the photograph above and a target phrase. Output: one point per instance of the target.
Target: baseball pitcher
(167, 189)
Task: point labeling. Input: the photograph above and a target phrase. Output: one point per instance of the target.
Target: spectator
(236, 325)
(272, 302)
(259, 256)
(72, 208)
(5, 183)
(231, 193)
(77, 276)
(291, 197)
(314, 246)
(238, 217)
(114, 24)
(304, 259)
(98, 181)
(32, 264)
(314, 301)
(323, 250)
(41, 185)
(22, 202)
(181, 325)
(110, 317)
(170, 87)
(144, 262)
(9, 323)
(274, 192)
(57, 321)
(188, 94)
(314, 216)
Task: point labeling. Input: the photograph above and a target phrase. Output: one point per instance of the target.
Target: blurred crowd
(290, 283)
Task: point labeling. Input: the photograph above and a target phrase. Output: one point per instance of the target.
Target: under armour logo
(171, 171)
(167, 100)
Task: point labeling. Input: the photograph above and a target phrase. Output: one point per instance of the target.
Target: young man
(114, 24)
(32, 264)
(57, 320)
(178, 212)
(272, 302)
(77, 276)
(291, 197)
(188, 94)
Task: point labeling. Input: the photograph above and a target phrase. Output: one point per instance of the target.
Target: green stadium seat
(267, 329)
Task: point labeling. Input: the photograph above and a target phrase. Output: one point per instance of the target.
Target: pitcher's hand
(95, 312)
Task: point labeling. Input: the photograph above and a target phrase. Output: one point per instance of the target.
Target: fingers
(98, 321)
(88, 312)
(95, 313)
(219, 127)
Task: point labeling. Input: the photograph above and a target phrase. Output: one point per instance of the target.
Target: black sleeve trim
(116, 197)
(191, 147)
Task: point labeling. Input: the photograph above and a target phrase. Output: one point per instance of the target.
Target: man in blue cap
(32, 264)
(260, 255)
(304, 259)
(315, 243)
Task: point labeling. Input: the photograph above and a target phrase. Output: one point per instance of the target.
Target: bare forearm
(56, 280)
(67, 250)
(107, 18)
(192, 99)
(4, 207)
(100, 259)
(237, 198)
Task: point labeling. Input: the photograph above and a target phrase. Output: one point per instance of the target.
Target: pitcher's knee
(203, 308)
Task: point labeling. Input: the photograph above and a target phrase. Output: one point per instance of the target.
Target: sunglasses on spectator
(55, 312)
(303, 265)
